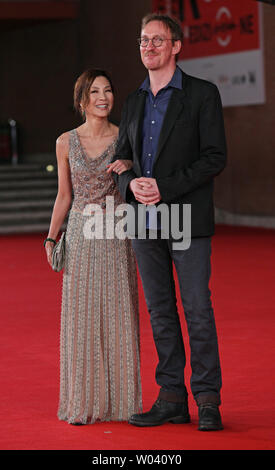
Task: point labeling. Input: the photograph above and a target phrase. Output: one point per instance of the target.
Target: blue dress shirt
(154, 112)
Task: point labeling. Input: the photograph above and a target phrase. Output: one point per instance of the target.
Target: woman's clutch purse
(58, 254)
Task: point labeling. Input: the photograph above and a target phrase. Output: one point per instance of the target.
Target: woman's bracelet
(49, 240)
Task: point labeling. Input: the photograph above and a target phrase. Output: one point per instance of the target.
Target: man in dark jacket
(172, 129)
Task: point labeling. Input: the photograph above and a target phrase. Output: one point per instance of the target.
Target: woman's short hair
(83, 85)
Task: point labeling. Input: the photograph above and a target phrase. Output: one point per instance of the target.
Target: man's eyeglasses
(156, 41)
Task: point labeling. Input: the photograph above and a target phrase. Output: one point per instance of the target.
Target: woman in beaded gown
(99, 334)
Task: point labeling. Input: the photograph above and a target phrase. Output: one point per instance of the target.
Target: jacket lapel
(175, 107)
(137, 123)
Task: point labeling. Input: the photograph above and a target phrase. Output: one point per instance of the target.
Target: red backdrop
(213, 27)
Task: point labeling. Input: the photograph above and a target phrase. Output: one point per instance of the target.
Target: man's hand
(145, 190)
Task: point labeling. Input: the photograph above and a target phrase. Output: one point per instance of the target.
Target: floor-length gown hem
(99, 330)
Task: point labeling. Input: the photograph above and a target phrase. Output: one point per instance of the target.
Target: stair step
(35, 183)
(8, 230)
(13, 217)
(31, 228)
(28, 175)
(25, 205)
(21, 167)
(28, 194)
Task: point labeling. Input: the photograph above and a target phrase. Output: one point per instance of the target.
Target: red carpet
(243, 287)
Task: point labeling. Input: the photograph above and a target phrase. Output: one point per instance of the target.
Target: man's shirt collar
(175, 82)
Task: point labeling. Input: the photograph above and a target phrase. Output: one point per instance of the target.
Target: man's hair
(83, 85)
(170, 22)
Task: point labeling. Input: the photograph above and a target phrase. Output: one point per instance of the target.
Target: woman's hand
(119, 166)
(49, 251)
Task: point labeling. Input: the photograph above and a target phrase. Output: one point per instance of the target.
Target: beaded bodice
(90, 180)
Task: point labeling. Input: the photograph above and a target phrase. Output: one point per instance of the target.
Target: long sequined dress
(99, 335)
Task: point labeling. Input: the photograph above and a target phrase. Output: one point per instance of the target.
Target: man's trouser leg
(154, 258)
(193, 268)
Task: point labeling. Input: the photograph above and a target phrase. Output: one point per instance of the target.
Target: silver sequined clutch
(58, 254)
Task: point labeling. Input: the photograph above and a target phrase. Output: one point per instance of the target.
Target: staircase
(27, 195)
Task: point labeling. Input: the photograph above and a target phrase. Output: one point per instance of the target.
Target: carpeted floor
(243, 292)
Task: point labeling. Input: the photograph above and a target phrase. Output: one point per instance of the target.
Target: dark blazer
(191, 149)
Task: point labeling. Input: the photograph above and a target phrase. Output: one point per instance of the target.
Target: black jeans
(154, 258)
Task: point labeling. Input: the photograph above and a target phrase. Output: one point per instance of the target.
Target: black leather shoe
(209, 417)
(162, 412)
